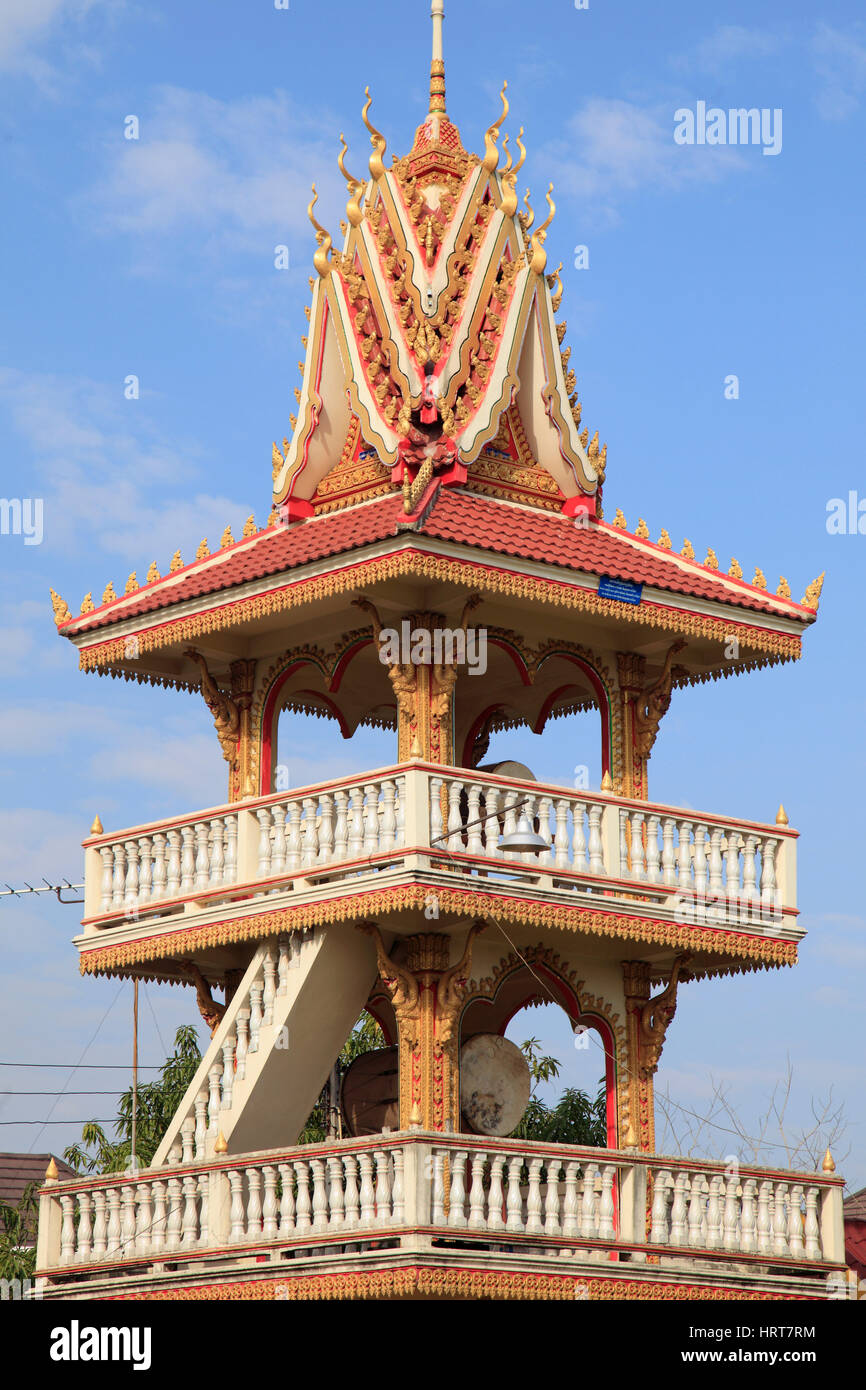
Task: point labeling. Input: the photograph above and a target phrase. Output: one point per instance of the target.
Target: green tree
(366, 1036)
(574, 1119)
(157, 1102)
(17, 1232)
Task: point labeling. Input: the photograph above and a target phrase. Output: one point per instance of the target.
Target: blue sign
(623, 590)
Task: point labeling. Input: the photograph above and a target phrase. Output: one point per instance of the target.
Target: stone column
(638, 1081)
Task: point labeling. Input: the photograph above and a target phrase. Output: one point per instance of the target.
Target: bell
(523, 840)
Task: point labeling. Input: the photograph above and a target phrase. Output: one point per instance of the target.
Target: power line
(82, 1066)
(56, 1122)
(62, 1093)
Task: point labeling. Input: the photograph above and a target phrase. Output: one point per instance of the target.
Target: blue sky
(156, 258)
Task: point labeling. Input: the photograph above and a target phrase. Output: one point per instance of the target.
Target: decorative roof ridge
(687, 563)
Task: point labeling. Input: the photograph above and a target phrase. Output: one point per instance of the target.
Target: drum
(495, 1084)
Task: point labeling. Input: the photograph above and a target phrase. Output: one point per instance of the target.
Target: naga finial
(355, 186)
(491, 135)
(377, 140)
(538, 255)
(509, 176)
(323, 240)
(527, 218)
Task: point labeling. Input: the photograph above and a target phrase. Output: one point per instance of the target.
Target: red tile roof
(488, 524)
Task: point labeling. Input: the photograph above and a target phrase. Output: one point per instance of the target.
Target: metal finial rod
(437, 66)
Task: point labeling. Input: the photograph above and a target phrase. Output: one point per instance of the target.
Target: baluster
(326, 828)
(284, 964)
(263, 816)
(230, 868)
(190, 1210)
(335, 1191)
(268, 1207)
(269, 991)
(715, 863)
(731, 1216)
(624, 867)
(293, 838)
(678, 1236)
(118, 881)
(811, 1227)
(457, 1195)
(130, 897)
(514, 1200)
(491, 822)
(796, 1245)
(435, 785)
(653, 855)
(320, 1195)
(243, 1027)
(202, 866)
(596, 848)
(764, 1224)
(438, 1193)
(187, 1132)
(474, 842)
(107, 856)
(455, 820)
(701, 833)
(202, 1181)
(217, 853)
(172, 871)
(659, 1217)
(495, 1219)
(388, 825)
(172, 1235)
(748, 1219)
(356, 823)
(637, 856)
(341, 826)
(476, 1193)
(684, 856)
(371, 819)
(605, 1210)
(114, 1232)
(236, 1183)
(768, 875)
(127, 1220)
(187, 859)
(157, 1235)
(545, 805)
(509, 825)
(570, 1209)
(280, 847)
(560, 837)
(368, 1192)
(533, 1196)
(145, 869)
(144, 1218)
(397, 1190)
(732, 866)
(256, 992)
(287, 1199)
(551, 1198)
(588, 1211)
(67, 1232)
(310, 845)
(780, 1220)
(714, 1211)
(228, 1069)
(352, 1194)
(213, 1077)
(400, 832)
(383, 1188)
(669, 860)
(100, 1227)
(85, 1225)
(696, 1210)
(254, 1204)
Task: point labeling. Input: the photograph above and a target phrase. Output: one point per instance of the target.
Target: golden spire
(356, 188)
(538, 255)
(96, 827)
(812, 596)
(51, 1174)
(437, 65)
(828, 1165)
(61, 608)
(491, 135)
(323, 241)
(377, 140)
(221, 1147)
(781, 815)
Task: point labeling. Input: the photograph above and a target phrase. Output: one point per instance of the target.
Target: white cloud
(615, 149)
(116, 485)
(27, 25)
(840, 63)
(232, 175)
(728, 44)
